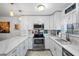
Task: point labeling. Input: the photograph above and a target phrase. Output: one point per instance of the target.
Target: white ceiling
(30, 8)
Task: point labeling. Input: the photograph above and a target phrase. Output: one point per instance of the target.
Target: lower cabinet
(55, 48)
(30, 42)
(20, 50)
(46, 42)
(26, 45)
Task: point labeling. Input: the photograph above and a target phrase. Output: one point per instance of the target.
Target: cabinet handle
(54, 49)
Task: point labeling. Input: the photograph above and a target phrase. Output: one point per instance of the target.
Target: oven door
(38, 41)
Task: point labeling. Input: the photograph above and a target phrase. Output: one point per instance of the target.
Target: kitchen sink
(64, 42)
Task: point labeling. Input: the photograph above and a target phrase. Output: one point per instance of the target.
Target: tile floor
(39, 53)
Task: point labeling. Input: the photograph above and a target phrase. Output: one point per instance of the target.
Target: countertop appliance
(66, 53)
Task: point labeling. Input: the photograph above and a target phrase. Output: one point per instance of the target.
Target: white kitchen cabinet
(50, 43)
(51, 22)
(52, 47)
(26, 45)
(30, 42)
(47, 43)
(74, 17)
(55, 48)
(59, 50)
(20, 50)
(45, 21)
(56, 20)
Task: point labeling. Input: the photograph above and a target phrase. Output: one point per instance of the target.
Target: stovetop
(38, 36)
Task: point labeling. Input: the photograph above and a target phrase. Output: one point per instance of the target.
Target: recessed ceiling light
(41, 7)
(11, 3)
(20, 10)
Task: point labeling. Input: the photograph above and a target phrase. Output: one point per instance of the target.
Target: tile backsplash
(74, 39)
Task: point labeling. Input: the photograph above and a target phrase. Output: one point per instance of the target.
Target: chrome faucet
(67, 37)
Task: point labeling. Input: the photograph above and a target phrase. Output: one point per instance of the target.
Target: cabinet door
(57, 20)
(51, 22)
(57, 49)
(47, 43)
(46, 22)
(30, 39)
(26, 45)
(54, 49)
(74, 17)
(22, 49)
(51, 46)
(18, 51)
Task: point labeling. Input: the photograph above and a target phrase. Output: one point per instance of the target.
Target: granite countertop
(72, 48)
(7, 45)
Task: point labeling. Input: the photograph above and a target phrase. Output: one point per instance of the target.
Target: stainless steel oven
(39, 41)
(38, 44)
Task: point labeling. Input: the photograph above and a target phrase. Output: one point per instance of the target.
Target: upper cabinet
(56, 20)
(51, 22)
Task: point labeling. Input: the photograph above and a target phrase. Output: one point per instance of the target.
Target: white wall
(26, 24)
(13, 32)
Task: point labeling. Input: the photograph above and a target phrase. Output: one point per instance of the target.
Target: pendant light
(11, 12)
